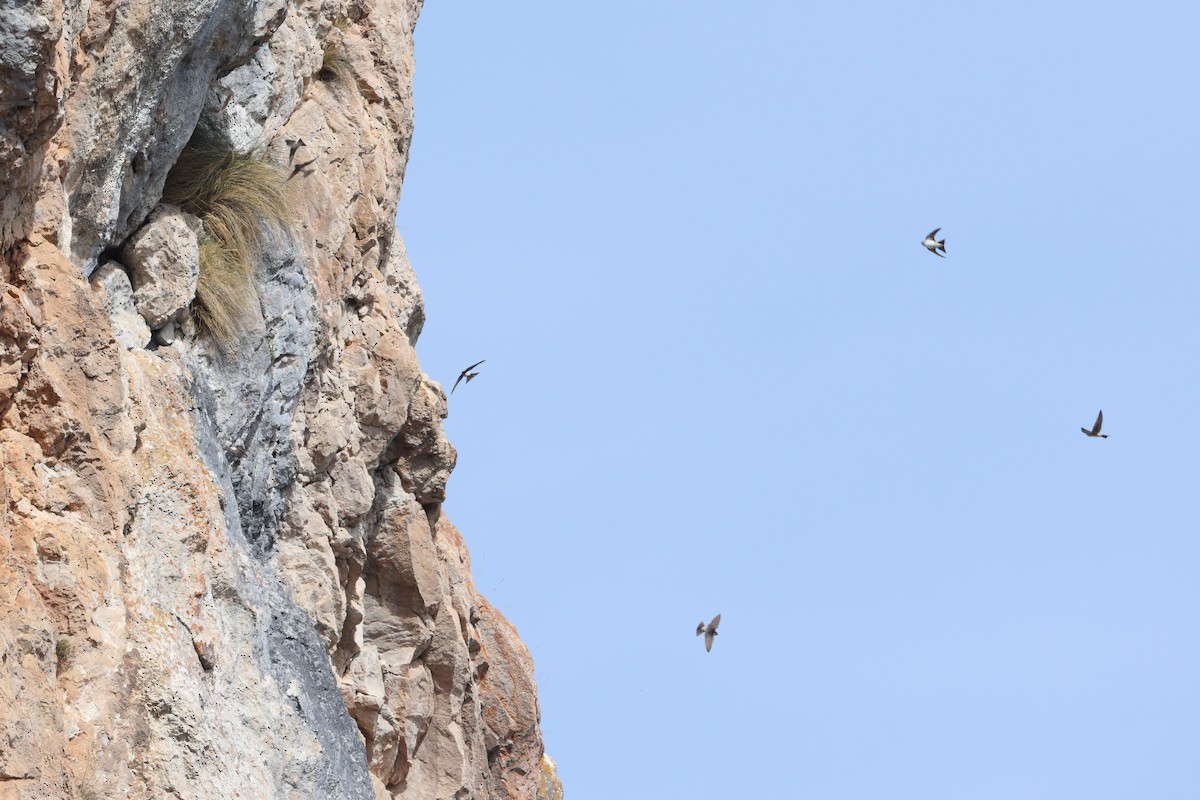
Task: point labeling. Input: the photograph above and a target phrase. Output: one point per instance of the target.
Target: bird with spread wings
(932, 244)
(709, 631)
(1095, 431)
(466, 373)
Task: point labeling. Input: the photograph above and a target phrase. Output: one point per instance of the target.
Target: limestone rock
(550, 787)
(245, 550)
(166, 334)
(164, 256)
(128, 326)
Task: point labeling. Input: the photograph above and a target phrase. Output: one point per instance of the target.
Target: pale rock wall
(228, 574)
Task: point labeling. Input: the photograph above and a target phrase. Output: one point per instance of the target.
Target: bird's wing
(708, 640)
(936, 253)
(933, 234)
(1086, 432)
(700, 628)
(1099, 422)
(456, 383)
(712, 626)
(473, 366)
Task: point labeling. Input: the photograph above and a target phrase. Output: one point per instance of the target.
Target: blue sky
(724, 376)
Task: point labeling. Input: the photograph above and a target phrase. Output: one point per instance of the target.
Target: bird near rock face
(709, 631)
(466, 373)
(933, 245)
(293, 145)
(302, 169)
(1095, 431)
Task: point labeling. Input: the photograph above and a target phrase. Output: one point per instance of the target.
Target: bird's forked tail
(942, 245)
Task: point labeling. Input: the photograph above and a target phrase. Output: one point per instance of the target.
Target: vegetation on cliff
(234, 194)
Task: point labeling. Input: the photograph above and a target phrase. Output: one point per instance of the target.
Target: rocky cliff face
(224, 570)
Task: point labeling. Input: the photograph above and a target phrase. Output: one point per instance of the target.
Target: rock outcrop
(225, 569)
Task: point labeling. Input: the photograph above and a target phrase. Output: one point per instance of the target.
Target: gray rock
(166, 334)
(130, 329)
(253, 394)
(31, 109)
(165, 258)
(187, 325)
(145, 95)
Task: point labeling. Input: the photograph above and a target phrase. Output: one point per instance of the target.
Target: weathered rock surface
(550, 787)
(112, 282)
(164, 262)
(227, 574)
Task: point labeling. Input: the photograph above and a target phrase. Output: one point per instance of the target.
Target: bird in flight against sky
(933, 245)
(709, 631)
(1095, 431)
(466, 373)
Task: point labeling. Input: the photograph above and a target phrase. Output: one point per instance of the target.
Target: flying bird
(1095, 431)
(293, 145)
(709, 631)
(933, 245)
(466, 373)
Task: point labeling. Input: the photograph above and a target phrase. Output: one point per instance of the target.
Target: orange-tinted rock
(225, 574)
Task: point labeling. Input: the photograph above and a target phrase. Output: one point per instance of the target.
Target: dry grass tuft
(335, 65)
(233, 194)
(225, 293)
(64, 651)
